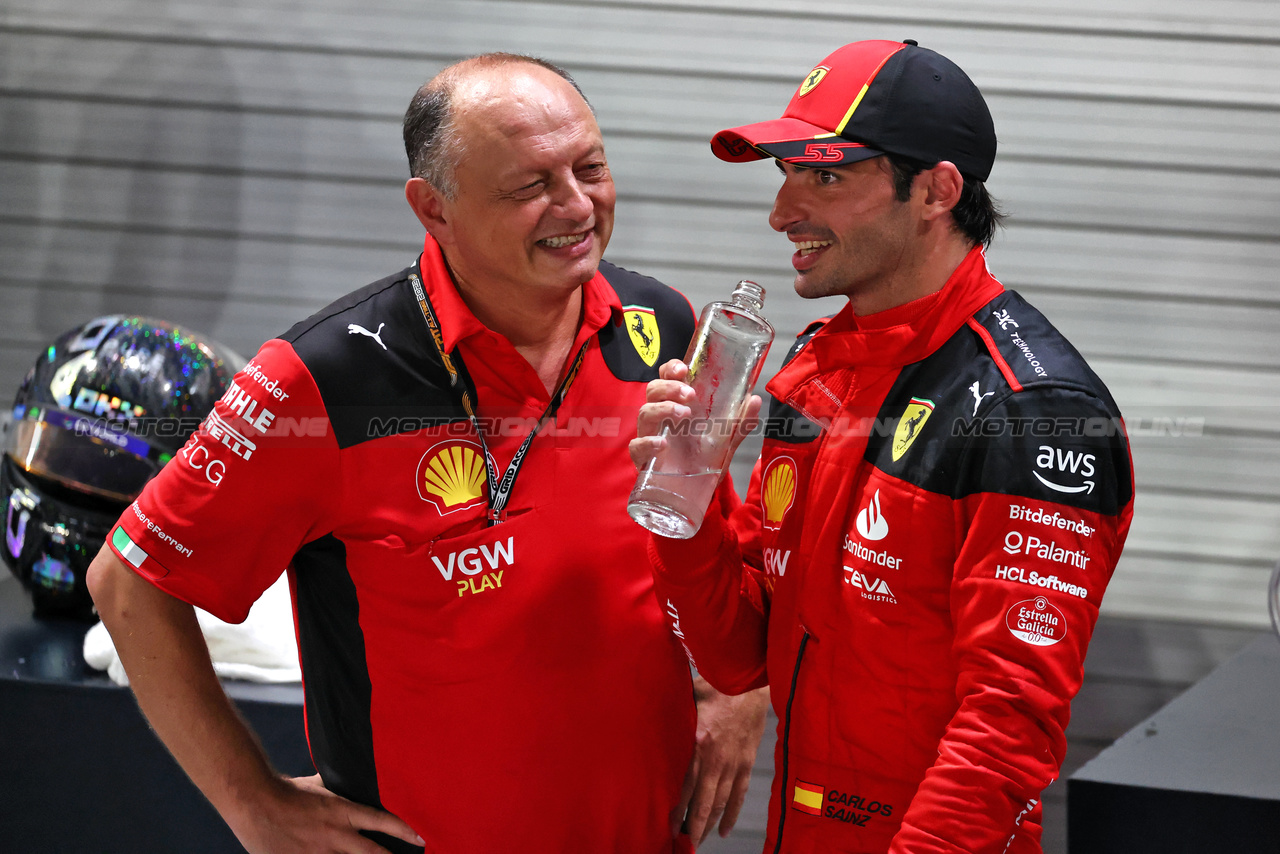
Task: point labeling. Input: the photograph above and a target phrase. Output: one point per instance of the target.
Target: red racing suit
(943, 492)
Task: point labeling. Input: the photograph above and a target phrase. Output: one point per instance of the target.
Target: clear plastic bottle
(725, 357)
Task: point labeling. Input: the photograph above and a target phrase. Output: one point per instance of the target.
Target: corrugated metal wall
(235, 165)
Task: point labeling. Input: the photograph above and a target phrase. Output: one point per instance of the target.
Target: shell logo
(451, 476)
(779, 491)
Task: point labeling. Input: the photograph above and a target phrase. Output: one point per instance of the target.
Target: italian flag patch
(808, 797)
(129, 550)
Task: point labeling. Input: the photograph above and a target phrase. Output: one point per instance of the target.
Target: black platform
(1201, 775)
(81, 772)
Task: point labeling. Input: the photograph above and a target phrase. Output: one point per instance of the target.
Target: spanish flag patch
(808, 797)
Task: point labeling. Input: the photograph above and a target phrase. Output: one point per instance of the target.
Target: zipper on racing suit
(786, 738)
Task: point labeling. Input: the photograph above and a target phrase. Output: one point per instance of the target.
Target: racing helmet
(105, 406)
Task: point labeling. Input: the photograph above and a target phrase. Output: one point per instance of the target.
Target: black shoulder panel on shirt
(338, 691)
(627, 341)
(373, 361)
(1032, 347)
(954, 424)
(784, 423)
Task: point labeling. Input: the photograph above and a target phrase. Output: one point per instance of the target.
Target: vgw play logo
(480, 565)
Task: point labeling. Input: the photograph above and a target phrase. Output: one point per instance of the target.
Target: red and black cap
(871, 98)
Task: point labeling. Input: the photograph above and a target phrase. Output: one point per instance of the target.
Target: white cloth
(261, 649)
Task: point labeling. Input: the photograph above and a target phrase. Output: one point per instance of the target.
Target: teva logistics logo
(451, 476)
(779, 491)
(642, 326)
(871, 522)
(910, 424)
(872, 589)
(1037, 622)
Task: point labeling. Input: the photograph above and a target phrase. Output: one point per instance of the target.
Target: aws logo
(642, 326)
(451, 476)
(778, 492)
(1059, 462)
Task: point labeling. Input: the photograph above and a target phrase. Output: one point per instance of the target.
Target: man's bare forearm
(164, 653)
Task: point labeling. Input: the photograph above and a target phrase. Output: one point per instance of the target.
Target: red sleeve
(717, 602)
(224, 517)
(1041, 523)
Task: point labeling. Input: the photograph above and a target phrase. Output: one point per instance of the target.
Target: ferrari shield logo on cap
(642, 326)
(814, 78)
(910, 425)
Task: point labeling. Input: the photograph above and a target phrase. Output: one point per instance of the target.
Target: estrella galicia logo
(1037, 622)
(642, 326)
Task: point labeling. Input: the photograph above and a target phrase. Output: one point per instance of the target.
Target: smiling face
(534, 202)
(852, 234)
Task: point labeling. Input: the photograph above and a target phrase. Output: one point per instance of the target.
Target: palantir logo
(871, 522)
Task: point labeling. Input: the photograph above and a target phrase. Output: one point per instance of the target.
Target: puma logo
(977, 399)
(357, 329)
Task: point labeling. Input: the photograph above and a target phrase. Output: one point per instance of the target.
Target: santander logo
(871, 522)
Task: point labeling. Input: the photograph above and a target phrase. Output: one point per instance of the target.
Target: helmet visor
(82, 454)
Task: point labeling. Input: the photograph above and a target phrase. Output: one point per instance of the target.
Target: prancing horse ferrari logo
(910, 424)
(642, 326)
(814, 78)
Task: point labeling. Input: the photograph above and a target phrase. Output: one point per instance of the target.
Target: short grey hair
(431, 139)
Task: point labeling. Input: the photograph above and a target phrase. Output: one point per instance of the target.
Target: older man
(942, 495)
(440, 460)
